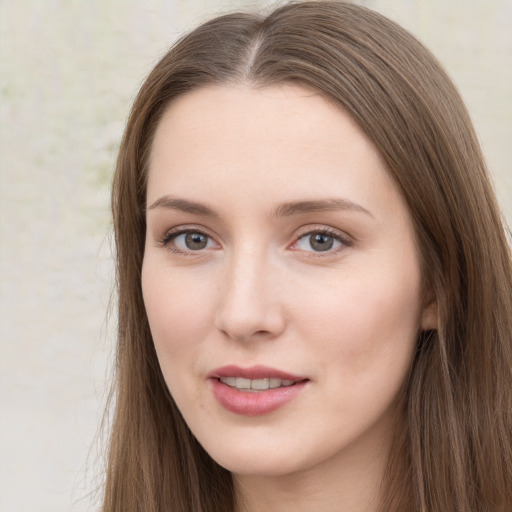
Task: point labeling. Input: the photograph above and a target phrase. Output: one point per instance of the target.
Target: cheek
(367, 326)
(181, 316)
(179, 312)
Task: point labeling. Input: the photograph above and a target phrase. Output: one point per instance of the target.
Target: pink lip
(254, 403)
(254, 372)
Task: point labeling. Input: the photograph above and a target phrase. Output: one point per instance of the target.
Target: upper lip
(253, 372)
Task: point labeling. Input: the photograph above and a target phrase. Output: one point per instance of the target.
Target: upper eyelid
(188, 228)
(309, 229)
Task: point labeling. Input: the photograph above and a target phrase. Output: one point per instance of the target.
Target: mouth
(255, 391)
(255, 385)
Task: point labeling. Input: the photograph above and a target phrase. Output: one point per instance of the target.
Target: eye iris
(321, 242)
(196, 241)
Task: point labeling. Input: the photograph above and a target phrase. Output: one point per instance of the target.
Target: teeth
(255, 384)
(230, 381)
(274, 383)
(242, 383)
(260, 384)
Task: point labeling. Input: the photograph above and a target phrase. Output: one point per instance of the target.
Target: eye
(189, 241)
(320, 241)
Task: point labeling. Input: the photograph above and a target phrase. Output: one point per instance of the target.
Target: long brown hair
(453, 443)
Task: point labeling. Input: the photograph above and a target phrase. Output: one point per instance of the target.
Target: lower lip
(254, 403)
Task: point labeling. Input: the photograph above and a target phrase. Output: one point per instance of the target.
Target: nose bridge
(248, 303)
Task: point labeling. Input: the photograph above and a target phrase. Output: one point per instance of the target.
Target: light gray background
(69, 70)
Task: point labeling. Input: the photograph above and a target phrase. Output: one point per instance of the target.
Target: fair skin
(276, 238)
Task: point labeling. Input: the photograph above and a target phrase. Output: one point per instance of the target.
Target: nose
(249, 308)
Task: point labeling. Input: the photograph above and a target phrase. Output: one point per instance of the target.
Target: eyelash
(344, 241)
(172, 234)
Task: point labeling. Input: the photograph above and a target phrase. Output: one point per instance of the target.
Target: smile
(255, 391)
(255, 385)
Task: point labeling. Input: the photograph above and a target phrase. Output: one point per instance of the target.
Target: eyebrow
(283, 210)
(325, 205)
(184, 205)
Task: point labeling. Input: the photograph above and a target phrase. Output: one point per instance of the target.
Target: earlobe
(429, 316)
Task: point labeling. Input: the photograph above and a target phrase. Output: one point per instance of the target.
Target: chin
(246, 457)
(267, 466)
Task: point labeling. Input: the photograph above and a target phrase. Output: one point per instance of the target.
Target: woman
(314, 279)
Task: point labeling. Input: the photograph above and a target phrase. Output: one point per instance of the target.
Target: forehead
(273, 142)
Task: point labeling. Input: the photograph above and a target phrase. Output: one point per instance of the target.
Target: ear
(429, 316)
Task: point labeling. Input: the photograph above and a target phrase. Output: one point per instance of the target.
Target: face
(280, 278)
